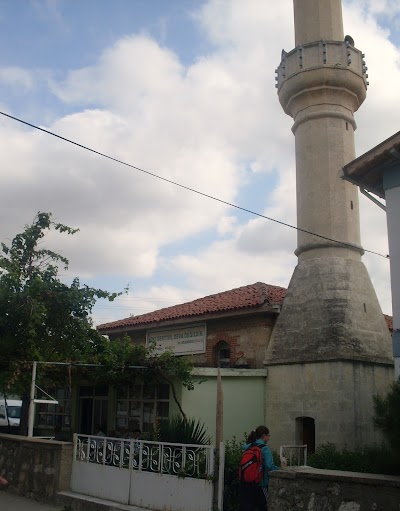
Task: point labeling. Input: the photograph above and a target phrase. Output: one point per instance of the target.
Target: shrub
(370, 459)
(182, 430)
(233, 453)
(387, 416)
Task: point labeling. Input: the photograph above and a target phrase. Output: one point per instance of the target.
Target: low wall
(36, 468)
(331, 490)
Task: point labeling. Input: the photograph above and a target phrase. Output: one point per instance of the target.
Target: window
(14, 412)
(139, 406)
(223, 354)
(49, 415)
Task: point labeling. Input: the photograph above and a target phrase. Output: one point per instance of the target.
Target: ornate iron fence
(160, 457)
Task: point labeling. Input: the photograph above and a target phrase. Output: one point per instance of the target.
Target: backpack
(251, 469)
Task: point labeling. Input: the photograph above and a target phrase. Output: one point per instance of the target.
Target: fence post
(75, 441)
(218, 476)
(221, 474)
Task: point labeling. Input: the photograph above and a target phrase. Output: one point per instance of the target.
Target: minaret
(330, 347)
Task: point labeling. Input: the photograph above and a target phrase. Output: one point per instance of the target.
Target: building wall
(393, 214)
(243, 396)
(337, 395)
(246, 335)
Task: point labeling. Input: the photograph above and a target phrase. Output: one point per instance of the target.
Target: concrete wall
(330, 490)
(244, 398)
(337, 395)
(35, 468)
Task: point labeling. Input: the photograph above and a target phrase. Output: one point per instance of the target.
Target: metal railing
(183, 460)
(293, 455)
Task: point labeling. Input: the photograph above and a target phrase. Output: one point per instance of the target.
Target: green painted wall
(244, 399)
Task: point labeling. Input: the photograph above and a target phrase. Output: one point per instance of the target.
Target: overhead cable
(186, 187)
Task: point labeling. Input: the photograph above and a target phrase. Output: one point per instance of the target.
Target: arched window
(223, 354)
(305, 432)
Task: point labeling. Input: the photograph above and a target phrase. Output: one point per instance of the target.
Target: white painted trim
(231, 372)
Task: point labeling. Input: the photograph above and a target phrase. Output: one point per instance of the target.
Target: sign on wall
(181, 341)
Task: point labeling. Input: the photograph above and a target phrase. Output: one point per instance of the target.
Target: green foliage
(120, 359)
(370, 459)
(168, 367)
(41, 318)
(233, 454)
(183, 430)
(275, 457)
(44, 319)
(387, 416)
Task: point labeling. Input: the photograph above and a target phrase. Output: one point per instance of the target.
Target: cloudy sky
(185, 90)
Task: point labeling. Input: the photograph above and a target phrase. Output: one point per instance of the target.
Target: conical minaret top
(317, 21)
(331, 310)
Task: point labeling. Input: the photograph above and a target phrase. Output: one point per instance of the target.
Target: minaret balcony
(318, 66)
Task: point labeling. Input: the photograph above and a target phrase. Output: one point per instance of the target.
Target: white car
(10, 412)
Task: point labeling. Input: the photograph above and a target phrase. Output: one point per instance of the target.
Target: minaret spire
(330, 312)
(330, 301)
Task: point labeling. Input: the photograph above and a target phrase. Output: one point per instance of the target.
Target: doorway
(305, 432)
(93, 409)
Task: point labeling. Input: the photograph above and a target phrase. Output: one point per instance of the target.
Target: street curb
(79, 502)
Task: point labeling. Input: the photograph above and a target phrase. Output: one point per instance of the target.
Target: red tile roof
(245, 297)
(389, 321)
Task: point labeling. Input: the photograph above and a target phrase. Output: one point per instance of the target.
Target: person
(3, 482)
(254, 496)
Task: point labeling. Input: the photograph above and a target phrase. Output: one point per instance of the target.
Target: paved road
(12, 502)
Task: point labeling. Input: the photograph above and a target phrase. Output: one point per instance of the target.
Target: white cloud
(210, 126)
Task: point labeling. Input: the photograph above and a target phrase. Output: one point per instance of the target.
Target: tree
(44, 319)
(387, 416)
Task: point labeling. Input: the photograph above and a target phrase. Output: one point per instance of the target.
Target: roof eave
(184, 320)
(367, 170)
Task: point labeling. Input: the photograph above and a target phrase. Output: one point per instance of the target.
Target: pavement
(12, 502)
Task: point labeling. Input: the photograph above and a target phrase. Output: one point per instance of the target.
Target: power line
(186, 187)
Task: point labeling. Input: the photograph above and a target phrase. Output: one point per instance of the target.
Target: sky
(185, 90)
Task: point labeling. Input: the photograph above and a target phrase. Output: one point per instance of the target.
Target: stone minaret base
(330, 312)
(336, 395)
(329, 353)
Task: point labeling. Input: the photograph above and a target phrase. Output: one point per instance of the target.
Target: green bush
(233, 453)
(370, 459)
(387, 416)
(182, 430)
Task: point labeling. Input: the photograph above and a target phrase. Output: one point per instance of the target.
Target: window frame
(151, 395)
